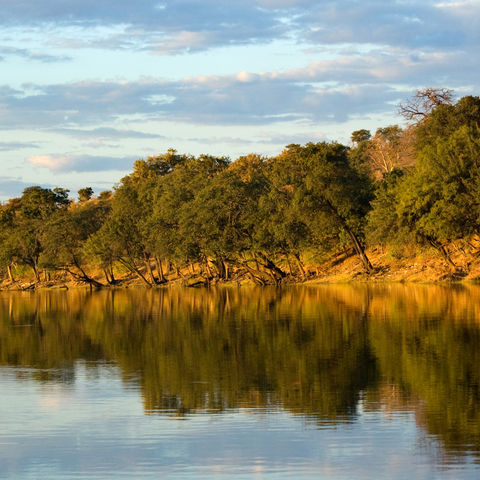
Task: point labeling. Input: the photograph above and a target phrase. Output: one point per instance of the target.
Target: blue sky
(87, 87)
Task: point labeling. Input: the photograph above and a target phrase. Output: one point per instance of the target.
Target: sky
(88, 87)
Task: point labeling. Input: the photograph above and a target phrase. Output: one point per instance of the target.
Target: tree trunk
(255, 275)
(360, 251)
(134, 269)
(300, 265)
(290, 269)
(220, 267)
(158, 263)
(227, 270)
(356, 243)
(443, 251)
(107, 278)
(35, 271)
(269, 265)
(84, 276)
(108, 271)
(148, 266)
(10, 274)
(207, 267)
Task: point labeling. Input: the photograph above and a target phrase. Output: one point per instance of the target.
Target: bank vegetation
(401, 196)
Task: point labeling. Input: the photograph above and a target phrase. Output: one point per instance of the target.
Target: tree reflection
(313, 351)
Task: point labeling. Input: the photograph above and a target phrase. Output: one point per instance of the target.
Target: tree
(359, 136)
(383, 226)
(85, 194)
(424, 101)
(281, 228)
(65, 234)
(446, 119)
(172, 199)
(25, 222)
(7, 237)
(439, 201)
(120, 238)
(333, 197)
(390, 148)
(222, 217)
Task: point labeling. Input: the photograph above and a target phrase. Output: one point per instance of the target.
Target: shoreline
(425, 268)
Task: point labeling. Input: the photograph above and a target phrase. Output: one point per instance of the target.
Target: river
(330, 381)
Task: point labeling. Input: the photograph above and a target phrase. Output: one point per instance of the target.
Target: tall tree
(333, 196)
(25, 223)
(439, 201)
(65, 234)
(421, 105)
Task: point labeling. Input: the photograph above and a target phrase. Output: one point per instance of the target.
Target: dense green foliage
(266, 218)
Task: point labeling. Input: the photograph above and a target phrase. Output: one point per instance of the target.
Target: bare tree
(390, 148)
(423, 102)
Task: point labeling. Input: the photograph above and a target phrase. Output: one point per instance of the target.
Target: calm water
(331, 382)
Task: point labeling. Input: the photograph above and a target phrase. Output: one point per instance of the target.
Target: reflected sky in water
(331, 382)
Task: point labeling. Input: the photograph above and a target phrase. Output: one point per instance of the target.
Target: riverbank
(426, 267)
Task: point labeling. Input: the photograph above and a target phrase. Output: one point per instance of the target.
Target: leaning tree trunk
(300, 265)
(10, 274)
(207, 268)
(356, 242)
(83, 275)
(134, 269)
(161, 275)
(35, 271)
(276, 272)
(222, 274)
(289, 263)
(360, 251)
(148, 266)
(109, 276)
(443, 251)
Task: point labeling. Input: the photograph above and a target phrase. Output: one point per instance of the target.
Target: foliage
(262, 216)
(439, 200)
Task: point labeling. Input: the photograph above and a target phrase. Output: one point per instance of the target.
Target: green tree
(446, 119)
(171, 235)
(439, 202)
(85, 194)
(65, 235)
(223, 215)
(24, 222)
(333, 198)
(383, 225)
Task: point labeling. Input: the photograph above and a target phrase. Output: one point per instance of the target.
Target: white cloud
(323, 91)
(181, 26)
(52, 162)
(183, 41)
(455, 5)
(80, 163)
(319, 65)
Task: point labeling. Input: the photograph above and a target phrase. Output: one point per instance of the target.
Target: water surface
(326, 382)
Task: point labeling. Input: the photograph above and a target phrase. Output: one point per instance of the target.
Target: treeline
(264, 217)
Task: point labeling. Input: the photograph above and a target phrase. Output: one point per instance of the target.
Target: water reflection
(326, 353)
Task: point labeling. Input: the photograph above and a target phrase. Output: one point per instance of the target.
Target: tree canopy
(268, 218)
